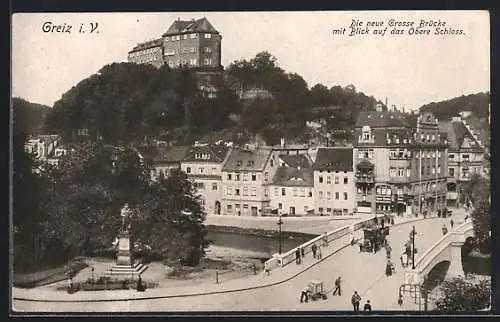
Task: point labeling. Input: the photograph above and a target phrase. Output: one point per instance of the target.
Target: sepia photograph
(335, 162)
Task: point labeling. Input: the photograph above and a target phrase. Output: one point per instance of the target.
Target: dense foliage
(28, 117)
(74, 208)
(456, 294)
(124, 103)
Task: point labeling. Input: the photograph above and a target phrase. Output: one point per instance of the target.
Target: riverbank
(259, 232)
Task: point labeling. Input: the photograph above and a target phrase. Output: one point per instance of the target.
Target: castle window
(192, 36)
(185, 37)
(207, 49)
(207, 61)
(208, 36)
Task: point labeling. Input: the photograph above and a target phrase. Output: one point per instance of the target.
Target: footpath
(277, 276)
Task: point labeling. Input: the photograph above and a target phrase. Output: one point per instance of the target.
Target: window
(328, 195)
(310, 193)
(422, 170)
(228, 176)
(192, 49)
(451, 172)
(208, 36)
(207, 49)
(266, 192)
(192, 62)
(214, 186)
(200, 185)
(433, 170)
(201, 170)
(254, 191)
(280, 206)
(451, 156)
(272, 163)
(439, 169)
(392, 172)
(336, 180)
(345, 180)
(229, 191)
(328, 179)
(245, 208)
(266, 176)
(328, 209)
(320, 179)
(214, 170)
(302, 192)
(207, 61)
(321, 195)
(245, 191)
(336, 196)
(245, 177)
(401, 172)
(229, 209)
(408, 172)
(254, 177)
(276, 191)
(320, 209)
(185, 36)
(237, 177)
(188, 170)
(192, 36)
(283, 191)
(237, 192)
(465, 157)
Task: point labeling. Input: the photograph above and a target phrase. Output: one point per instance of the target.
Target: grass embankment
(258, 232)
(47, 276)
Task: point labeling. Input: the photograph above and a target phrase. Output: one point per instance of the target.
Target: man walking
(451, 223)
(304, 295)
(325, 239)
(337, 287)
(445, 230)
(297, 256)
(355, 299)
(320, 256)
(314, 248)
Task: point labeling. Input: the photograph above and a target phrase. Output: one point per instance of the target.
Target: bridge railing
(336, 239)
(457, 235)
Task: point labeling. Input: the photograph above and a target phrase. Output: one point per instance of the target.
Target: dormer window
(250, 163)
(366, 134)
(239, 163)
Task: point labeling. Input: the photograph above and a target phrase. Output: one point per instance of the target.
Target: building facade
(203, 164)
(164, 159)
(334, 189)
(291, 189)
(193, 43)
(399, 161)
(466, 155)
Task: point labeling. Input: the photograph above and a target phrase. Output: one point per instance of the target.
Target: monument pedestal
(124, 264)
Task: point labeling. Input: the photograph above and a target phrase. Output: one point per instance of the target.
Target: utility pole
(280, 222)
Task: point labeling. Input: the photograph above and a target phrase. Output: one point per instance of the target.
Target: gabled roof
(246, 160)
(382, 119)
(456, 132)
(189, 26)
(217, 153)
(295, 161)
(291, 176)
(334, 159)
(172, 154)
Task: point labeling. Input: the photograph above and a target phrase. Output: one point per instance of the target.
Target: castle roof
(146, 45)
(190, 26)
(334, 159)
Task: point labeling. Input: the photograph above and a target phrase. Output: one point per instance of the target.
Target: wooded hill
(28, 117)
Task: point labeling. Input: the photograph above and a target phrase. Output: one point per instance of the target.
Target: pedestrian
(351, 237)
(405, 259)
(392, 221)
(355, 299)
(368, 307)
(320, 256)
(297, 256)
(337, 286)
(445, 230)
(388, 268)
(314, 248)
(451, 223)
(70, 284)
(402, 262)
(382, 222)
(140, 286)
(400, 299)
(304, 295)
(302, 252)
(325, 239)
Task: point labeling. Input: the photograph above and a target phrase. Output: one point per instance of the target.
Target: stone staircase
(126, 270)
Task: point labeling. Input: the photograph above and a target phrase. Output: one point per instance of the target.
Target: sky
(408, 70)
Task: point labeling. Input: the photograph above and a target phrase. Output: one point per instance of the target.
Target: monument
(124, 263)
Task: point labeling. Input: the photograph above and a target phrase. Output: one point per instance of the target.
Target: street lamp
(279, 223)
(413, 233)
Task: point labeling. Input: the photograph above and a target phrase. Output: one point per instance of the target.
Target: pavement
(364, 272)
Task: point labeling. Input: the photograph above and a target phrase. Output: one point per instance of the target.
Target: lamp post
(280, 222)
(413, 233)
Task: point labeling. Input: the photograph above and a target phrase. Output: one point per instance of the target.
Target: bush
(467, 294)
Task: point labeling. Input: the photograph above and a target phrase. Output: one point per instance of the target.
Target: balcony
(365, 177)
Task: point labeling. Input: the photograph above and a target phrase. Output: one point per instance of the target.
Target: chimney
(282, 141)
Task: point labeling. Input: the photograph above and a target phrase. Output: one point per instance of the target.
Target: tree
(456, 294)
(170, 220)
(481, 219)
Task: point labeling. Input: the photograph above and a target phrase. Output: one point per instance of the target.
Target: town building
(400, 162)
(291, 189)
(243, 177)
(334, 189)
(466, 155)
(42, 147)
(165, 159)
(203, 164)
(149, 52)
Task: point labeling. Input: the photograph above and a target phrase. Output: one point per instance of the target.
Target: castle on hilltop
(193, 43)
